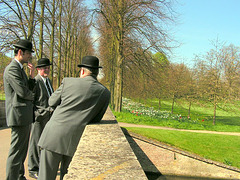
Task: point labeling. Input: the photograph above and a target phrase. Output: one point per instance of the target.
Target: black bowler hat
(43, 62)
(91, 62)
(24, 44)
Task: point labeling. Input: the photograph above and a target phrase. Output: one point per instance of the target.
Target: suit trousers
(34, 149)
(17, 152)
(49, 163)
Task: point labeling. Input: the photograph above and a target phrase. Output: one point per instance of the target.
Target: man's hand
(32, 70)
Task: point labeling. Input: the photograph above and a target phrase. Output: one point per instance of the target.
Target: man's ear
(20, 52)
(82, 72)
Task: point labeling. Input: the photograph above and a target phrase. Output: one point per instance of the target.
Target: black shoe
(33, 175)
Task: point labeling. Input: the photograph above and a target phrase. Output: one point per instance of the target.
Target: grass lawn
(228, 119)
(227, 113)
(128, 117)
(221, 148)
(2, 96)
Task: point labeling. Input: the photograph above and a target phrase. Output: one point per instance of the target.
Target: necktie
(24, 74)
(48, 87)
(25, 78)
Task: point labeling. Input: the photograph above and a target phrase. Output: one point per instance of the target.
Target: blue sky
(202, 21)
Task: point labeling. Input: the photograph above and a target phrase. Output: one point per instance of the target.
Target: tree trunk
(75, 57)
(173, 101)
(118, 86)
(159, 104)
(119, 63)
(215, 110)
(42, 3)
(112, 82)
(52, 41)
(31, 20)
(189, 108)
(59, 45)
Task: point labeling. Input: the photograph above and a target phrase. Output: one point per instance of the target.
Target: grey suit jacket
(19, 97)
(78, 102)
(41, 107)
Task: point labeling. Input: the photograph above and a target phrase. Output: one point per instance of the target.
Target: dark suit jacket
(78, 101)
(41, 107)
(19, 97)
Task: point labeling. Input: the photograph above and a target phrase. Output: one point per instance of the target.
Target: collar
(43, 78)
(91, 77)
(20, 64)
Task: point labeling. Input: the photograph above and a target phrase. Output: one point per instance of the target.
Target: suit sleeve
(36, 94)
(32, 84)
(104, 104)
(15, 80)
(55, 98)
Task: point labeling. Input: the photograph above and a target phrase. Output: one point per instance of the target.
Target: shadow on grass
(149, 168)
(227, 120)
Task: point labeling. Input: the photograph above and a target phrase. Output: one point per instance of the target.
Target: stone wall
(104, 153)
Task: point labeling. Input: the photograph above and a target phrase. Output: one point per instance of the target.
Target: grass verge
(221, 148)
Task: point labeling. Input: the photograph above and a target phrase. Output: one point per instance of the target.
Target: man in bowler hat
(19, 107)
(78, 102)
(42, 113)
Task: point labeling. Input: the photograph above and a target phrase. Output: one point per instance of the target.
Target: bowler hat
(24, 44)
(91, 62)
(43, 62)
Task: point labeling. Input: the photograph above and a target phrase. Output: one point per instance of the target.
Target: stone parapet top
(104, 153)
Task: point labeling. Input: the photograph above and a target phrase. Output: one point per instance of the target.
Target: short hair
(16, 49)
(92, 71)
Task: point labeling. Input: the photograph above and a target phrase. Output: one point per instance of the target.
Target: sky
(203, 21)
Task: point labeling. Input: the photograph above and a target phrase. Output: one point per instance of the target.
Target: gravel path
(167, 128)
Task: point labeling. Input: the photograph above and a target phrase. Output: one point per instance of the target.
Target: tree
(178, 80)
(59, 30)
(51, 9)
(4, 61)
(231, 66)
(42, 5)
(211, 76)
(133, 25)
(59, 62)
(159, 86)
(17, 20)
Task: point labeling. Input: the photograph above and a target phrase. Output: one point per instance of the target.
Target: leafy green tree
(217, 75)
(231, 70)
(178, 80)
(159, 83)
(4, 61)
